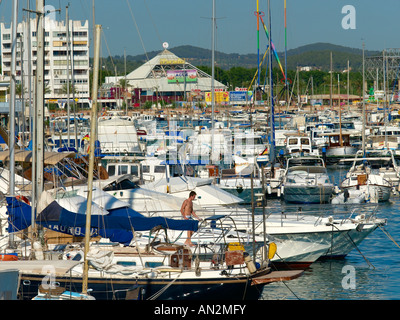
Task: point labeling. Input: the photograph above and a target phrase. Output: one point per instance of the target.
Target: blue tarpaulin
(117, 225)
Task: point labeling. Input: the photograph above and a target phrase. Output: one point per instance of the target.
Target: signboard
(175, 76)
(172, 61)
(219, 96)
(240, 96)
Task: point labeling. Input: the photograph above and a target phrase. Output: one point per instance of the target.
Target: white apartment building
(55, 57)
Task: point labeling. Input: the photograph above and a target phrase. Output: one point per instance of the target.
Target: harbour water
(369, 272)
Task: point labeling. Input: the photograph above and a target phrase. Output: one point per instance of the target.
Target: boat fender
(37, 247)
(282, 189)
(249, 263)
(271, 250)
(269, 189)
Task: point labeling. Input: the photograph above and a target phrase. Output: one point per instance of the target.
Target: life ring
(24, 199)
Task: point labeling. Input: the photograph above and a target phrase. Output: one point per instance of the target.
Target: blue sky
(181, 22)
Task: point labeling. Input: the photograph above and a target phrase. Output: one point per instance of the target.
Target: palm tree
(123, 83)
(71, 88)
(18, 90)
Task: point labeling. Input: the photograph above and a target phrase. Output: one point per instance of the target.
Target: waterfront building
(58, 52)
(169, 78)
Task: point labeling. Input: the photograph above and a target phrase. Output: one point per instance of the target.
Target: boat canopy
(118, 222)
(50, 158)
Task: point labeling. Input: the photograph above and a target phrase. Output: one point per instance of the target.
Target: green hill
(314, 55)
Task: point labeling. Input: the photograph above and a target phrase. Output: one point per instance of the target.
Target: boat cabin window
(111, 170)
(153, 264)
(135, 170)
(146, 169)
(305, 141)
(122, 169)
(345, 125)
(126, 263)
(159, 169)
(292, 141)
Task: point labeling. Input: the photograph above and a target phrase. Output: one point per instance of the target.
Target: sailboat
(360, 176)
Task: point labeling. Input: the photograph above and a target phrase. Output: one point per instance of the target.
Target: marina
(164, 183)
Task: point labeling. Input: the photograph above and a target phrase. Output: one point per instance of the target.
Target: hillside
(316, 55)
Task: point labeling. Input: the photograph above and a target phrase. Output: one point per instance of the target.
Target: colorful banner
(175, 76)
(219, 96)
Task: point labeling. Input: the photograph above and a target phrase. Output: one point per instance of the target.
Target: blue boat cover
(118, 225)
(19, 215)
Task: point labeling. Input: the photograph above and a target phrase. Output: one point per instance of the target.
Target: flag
(265, 152)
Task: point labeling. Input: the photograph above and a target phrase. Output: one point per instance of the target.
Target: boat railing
(243, 216)
(127, 146)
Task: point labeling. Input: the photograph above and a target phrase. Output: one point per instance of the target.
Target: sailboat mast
(271, 91)
(212, 77)
(286, 82)
(40, 98)
(91, 155)
(348, 85)
(68, 82)
(363, 102)
(11, 142)
(385, 115)
(32, 122)
(330, 88)
(258, 45)
(340, 112)
(11, 138)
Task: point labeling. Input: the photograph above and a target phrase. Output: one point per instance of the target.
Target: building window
(80, 33)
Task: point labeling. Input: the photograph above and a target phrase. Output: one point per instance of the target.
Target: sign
(172, 61)
(240, 96)
(219, 96)
(175, 76)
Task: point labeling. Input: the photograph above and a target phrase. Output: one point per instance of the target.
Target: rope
(161, 291)
(388, 235)
(351, 240)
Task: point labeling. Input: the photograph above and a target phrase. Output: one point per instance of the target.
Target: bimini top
(50, 158)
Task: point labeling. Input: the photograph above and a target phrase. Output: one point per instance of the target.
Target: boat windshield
(124, 184)
(305, 162)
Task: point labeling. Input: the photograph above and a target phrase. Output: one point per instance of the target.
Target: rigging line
(162, 290)
(108, 49)
(388, 235)
(354, 244)
(152, 21)
(137, 29)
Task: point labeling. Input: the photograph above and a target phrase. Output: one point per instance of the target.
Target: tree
(71, 88)
(18, 90)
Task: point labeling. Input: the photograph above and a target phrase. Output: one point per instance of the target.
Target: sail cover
(118, 225)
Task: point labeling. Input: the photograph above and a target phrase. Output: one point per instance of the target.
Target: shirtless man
(188, 213)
